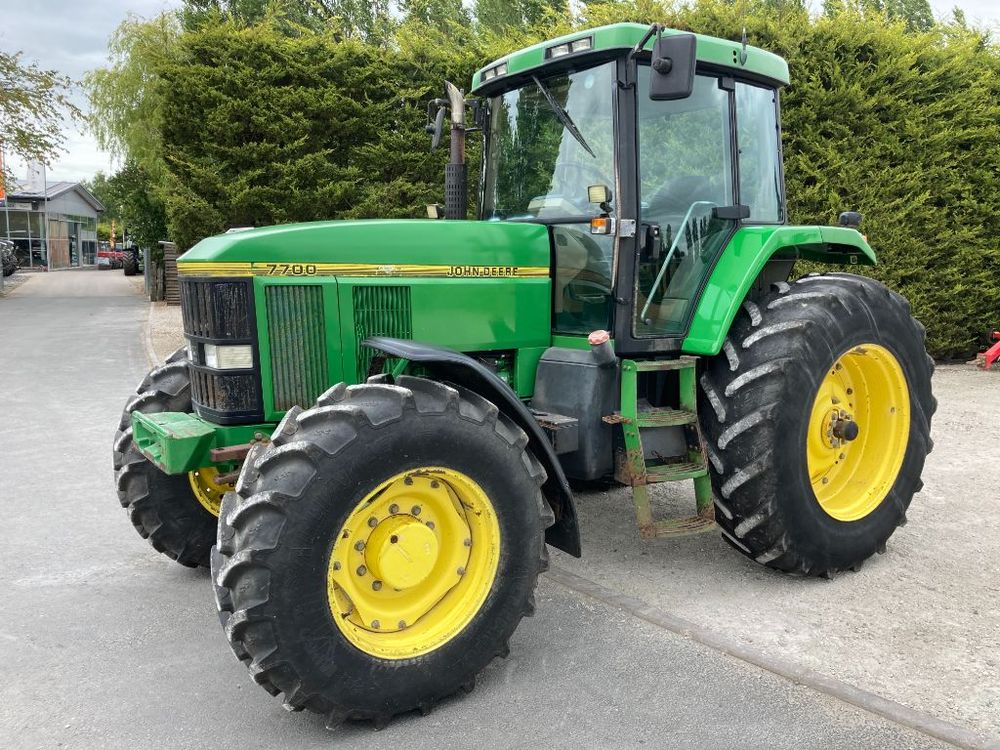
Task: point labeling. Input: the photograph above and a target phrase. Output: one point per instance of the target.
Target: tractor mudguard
(448, 365)
(742, 261)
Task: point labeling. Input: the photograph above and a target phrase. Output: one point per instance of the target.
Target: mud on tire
(755, 402)
(277, 530)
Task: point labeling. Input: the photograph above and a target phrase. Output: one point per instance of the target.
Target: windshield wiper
(563, 116)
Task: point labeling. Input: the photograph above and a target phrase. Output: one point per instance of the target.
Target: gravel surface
(919, 624)
(166, 331)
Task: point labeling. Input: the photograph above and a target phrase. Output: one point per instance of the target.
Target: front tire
(817, 418)
(163, 508)
(305, 549)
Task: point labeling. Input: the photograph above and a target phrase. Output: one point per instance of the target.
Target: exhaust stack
(456, 194)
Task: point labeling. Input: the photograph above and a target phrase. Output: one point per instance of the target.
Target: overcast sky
(71, 36)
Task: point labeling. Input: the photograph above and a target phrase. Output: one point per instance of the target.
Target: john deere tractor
(376, 427)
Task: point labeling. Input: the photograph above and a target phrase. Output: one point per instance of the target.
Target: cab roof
(720, 53)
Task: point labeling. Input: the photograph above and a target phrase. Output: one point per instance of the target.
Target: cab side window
(759, 155)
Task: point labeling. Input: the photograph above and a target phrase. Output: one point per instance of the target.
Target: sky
(71, 36)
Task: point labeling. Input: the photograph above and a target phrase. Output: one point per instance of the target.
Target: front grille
(297, 332)
(379, 311)
(221, 312)
(217, 310)
(225, 397)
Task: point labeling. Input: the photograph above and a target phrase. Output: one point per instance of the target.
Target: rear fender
(448, 365)
(746, 255)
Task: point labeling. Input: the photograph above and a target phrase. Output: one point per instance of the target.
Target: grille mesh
(297, 332)
(379, 311)
(217, 309)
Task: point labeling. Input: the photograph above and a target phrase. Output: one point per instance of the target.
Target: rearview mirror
(671, 73)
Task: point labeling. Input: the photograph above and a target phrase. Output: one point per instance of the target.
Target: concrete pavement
(106, 644)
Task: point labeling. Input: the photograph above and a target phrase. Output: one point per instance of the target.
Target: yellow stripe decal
(359, 269)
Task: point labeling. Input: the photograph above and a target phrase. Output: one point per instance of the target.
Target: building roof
(53, 190)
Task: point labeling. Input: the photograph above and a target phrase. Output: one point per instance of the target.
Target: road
(106, 644)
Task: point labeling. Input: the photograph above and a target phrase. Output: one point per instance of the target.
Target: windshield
(548, 141)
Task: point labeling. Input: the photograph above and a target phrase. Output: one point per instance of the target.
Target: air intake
(297, 332)
(379, 311)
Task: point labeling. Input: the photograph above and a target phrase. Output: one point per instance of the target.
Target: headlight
(222, 357)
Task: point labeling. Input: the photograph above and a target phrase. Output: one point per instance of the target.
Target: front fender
(744, 258)
(448, 365)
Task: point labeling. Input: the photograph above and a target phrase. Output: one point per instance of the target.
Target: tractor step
(675, 472)
(665, 417)
(633, 468)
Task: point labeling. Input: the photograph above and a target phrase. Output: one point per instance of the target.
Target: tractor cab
(642, 191)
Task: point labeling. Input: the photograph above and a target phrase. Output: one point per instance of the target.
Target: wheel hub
(401, 552)
(858, 432)
(413, 563)
(207, 489)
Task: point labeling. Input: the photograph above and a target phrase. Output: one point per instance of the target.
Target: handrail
(670, 254)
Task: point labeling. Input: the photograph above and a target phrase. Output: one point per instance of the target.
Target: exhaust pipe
(456, 194)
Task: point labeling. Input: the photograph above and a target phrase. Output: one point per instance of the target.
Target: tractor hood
(416, 247)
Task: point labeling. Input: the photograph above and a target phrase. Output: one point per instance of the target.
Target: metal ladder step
(665, 417)
(675, 472)
(635, 471)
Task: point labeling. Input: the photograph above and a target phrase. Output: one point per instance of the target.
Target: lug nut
(359, 545)
(415, 510)
(362, 570)
(375, 624)
(376, 585)
(336, 565)
(372, 522)
(435, 484)
(402, 624)
(394, 509)
(408, 480)
(461, 571)
(430, 524)
(467, 542)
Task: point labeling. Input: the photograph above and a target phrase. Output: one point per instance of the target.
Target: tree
(439, 13)
(916, 13)
(501, 15)
(126, 99)
(34, 108)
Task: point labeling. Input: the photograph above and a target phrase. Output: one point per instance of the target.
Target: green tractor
(376, 427)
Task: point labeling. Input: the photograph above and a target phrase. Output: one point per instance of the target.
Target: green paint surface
(386, 242)
(745, 256)
(178, 443)
(623, 36)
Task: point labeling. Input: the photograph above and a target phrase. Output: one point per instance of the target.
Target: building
(52, 228)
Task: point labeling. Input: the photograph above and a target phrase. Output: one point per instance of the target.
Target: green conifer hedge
(261, 125)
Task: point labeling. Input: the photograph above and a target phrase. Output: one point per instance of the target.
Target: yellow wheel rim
(413, 563)
(858, 432)
(207, 490)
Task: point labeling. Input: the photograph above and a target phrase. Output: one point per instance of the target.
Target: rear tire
(279, 531)
(162, 507)
(757, 412)
(130, 264)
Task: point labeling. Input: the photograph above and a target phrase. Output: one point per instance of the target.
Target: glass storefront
(63, 241)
